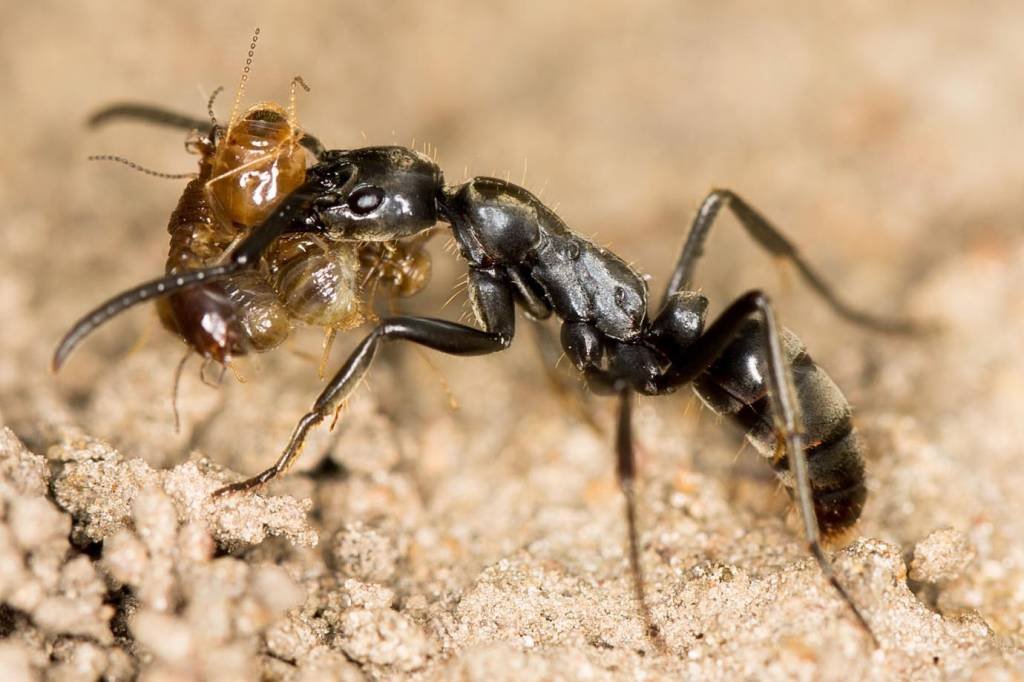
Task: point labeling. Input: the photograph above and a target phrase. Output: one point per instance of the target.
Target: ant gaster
(743, 364)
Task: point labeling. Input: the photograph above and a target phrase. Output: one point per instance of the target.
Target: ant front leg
(771, 239)
(492, 300)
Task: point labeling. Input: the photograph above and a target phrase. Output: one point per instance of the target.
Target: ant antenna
(291, 102)
(209, 104)
(245, 77)
(141, 169)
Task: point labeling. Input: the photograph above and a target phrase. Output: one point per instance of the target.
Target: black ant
(743, 364)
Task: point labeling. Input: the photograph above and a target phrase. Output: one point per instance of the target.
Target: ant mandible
(743, 365)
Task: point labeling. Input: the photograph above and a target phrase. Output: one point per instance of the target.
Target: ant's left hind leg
(496, 312)
(768, 237)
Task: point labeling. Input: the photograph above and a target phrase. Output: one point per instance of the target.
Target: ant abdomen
(736, 386)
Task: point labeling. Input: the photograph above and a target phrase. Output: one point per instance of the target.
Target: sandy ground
(487, 542)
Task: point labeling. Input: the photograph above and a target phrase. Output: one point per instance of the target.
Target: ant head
(390, 194)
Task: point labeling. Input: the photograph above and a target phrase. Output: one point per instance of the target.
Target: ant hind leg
(785, 411)
(771, 239)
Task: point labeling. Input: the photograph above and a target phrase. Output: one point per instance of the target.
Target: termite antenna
(176, 386)
(291, 101)
(245, 77)
(209, 104)
(141, 169)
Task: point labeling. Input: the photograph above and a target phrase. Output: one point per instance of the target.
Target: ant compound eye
(365, 200)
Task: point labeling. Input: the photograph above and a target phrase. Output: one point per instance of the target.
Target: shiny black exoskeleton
(742, 365)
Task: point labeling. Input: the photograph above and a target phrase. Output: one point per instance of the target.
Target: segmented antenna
(141, 169)
(209, 104)
(292, 120)
(245, 77)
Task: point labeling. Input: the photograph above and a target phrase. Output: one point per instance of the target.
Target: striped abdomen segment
(736, 386)
(198, 236)
(318, 282)
(231, 316)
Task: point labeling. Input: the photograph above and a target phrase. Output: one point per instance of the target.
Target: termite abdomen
(317, 281)
(403, 268)
(227, 318)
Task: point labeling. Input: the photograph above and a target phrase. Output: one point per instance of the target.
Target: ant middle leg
(497, 315)
(771, 239)
(629, 369)
(567, 387)
(625, 471)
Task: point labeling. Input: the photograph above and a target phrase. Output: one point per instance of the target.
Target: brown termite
(245, 169)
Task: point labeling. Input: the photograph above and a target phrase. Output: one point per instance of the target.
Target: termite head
(208, 319)
(257, 162)
(388, 193)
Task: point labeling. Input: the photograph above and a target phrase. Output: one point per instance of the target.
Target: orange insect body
(303, 279)
(403, 268)
(258, 162)
(218, 319)
(242, 177)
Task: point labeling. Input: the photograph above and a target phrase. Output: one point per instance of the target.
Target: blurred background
(882, 138)
(878, 137)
